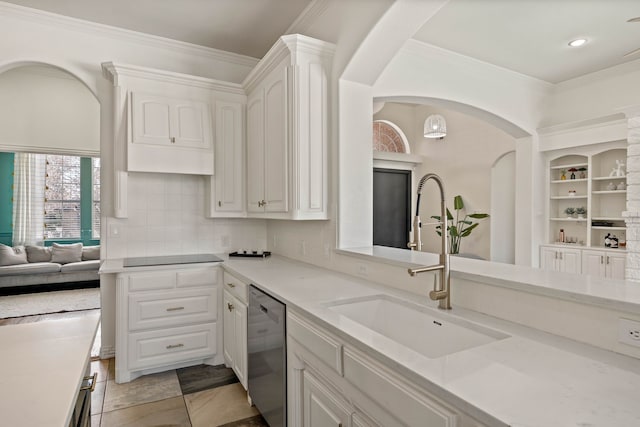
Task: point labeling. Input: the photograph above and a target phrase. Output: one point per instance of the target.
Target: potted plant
(581, 211)
(570, 212)
(583, 173)
(458, 228)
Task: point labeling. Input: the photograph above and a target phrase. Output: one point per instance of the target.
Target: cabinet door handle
(170, 346)
(219, 203)
(231, 285)
(175, 308)
(173, 139)
(560, 255)
(229, 306)
(607, 259)
(601, 259)
(259, 203)
(556, 253)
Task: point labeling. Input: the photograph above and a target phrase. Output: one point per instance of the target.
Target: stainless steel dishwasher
(266, 345)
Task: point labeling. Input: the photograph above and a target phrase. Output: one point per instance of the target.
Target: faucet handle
(438, 295)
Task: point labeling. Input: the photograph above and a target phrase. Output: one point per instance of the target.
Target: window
(387, 136)
(95, 198)
(62, 197)
(72, 198)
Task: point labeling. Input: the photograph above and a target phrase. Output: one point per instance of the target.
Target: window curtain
(28, 199)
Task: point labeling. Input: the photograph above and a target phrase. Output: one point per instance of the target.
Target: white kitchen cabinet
(322, 407)
(166, 318)
(235, 336)
(226, 196)
(169, 135)
(566, 260)
(234, 309)
(333, 383)
(603, 264)
(287, 131)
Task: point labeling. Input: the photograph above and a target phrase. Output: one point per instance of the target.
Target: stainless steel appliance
(267, 364)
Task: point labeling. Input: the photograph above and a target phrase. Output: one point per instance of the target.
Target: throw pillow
(12, 256)
(38, 254)
(90, 253)
(64, 254)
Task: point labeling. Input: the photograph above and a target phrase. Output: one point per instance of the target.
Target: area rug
(49, 302)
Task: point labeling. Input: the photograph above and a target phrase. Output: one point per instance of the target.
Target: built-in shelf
(609, 192)
(608, 228)
(606, 218)
(569, 219)
(567, 197)
(575, 165)
(566, 181)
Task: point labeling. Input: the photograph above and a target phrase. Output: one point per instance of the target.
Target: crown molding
(113, 72)
(286, 45)
(8, 10)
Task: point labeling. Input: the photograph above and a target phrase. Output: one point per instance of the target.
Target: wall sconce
(435, 127)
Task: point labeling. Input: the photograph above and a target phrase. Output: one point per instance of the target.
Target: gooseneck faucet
(442, 293)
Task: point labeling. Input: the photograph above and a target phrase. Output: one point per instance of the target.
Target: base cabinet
(167, 318)
(332, 383)
(234, 318)
(605, 263)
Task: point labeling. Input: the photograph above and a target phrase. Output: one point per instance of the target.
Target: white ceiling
(527, 36)
(247, 27)
(531, 36)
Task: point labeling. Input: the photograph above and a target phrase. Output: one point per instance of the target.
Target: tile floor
(198, 396)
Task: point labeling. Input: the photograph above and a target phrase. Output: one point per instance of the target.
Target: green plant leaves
(478, 215)
(458, 203)
(458, 228)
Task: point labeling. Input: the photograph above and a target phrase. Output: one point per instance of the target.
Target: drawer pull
(170, 346)
(230, 306)
(264, 309)
(231, 285)
(175, 308)
(91, 386)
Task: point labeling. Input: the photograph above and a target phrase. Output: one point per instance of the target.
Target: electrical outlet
(303, 248)
(629, 332)
(225, 241)
(275, 241)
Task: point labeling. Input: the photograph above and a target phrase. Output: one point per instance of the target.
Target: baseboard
(107, 352)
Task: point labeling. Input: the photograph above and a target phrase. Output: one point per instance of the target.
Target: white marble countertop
(116, 265)
(609, 293)
(41, 367)
(529, 379)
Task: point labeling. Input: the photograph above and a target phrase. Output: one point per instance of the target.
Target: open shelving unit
(603, 196)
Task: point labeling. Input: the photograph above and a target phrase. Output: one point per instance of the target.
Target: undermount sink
(420, 328)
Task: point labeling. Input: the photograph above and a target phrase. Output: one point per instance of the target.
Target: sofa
(40, 265)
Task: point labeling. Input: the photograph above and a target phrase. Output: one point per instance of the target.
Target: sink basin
(420, 328)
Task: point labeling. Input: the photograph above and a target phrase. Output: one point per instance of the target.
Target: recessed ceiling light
(577, 42)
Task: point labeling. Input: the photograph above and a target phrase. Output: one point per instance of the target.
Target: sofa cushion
(38, 254)
(80, 266)
(64, 254)
(90, 253)
(12, 256)
(30, 268)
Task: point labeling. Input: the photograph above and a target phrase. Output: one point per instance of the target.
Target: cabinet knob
(601, 259)
(231, 285)
(173, 139)
(262, 203)
(219, 203)
(229, 306)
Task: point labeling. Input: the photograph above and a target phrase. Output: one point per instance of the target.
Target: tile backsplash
(166, 217)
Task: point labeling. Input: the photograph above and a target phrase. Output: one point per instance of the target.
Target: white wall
(463, 159)
(43, 109)
(503, 200)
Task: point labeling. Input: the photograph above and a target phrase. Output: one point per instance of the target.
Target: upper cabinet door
(275, 142)
(190, 124)
(229, 158)
(255, 152)
(151, 119)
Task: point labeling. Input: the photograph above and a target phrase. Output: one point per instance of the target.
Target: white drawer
(158, 348)
(236, 287)
(173, 308)
(412, 406)
(317, 341)
(197, 277)
(152, 281)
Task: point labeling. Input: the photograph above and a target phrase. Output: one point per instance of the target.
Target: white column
(632, 214)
